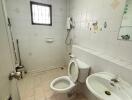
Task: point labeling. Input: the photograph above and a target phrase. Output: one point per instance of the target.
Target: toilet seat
(62, 84)
(73, 70)
(65, 84)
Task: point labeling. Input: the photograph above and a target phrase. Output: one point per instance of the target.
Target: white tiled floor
(36, 86)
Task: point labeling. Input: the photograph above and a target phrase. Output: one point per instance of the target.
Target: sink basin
(100, 85)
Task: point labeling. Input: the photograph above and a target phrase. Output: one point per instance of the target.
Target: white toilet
(77, 71)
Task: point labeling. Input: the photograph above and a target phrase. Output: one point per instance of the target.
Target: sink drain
(107, 93)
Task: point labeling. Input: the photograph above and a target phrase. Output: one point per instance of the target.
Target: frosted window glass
(41, 14)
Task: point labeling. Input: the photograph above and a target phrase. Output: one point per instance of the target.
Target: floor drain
(107, 93)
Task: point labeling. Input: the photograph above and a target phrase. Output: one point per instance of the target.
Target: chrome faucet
(16, 75)
(115, 79)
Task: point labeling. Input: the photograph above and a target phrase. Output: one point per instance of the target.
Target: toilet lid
(73, 70)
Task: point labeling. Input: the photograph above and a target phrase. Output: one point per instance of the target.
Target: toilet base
(71, 96)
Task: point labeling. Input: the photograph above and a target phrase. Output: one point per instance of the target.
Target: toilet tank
(84, 70)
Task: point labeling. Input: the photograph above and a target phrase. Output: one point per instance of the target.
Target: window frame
(41, 4)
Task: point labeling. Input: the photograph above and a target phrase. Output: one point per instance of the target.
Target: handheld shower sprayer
(70, 25)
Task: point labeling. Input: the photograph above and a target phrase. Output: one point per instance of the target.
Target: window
(41, 14)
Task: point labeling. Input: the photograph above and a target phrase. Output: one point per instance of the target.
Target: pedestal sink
(101, 85)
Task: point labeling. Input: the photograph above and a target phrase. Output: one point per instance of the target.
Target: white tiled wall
(105, 41)
(36, 53)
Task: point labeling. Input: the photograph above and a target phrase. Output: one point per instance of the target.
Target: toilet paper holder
(49, 40)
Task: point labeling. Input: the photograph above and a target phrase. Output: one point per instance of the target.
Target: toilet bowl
(65, 84)
(62, 84)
